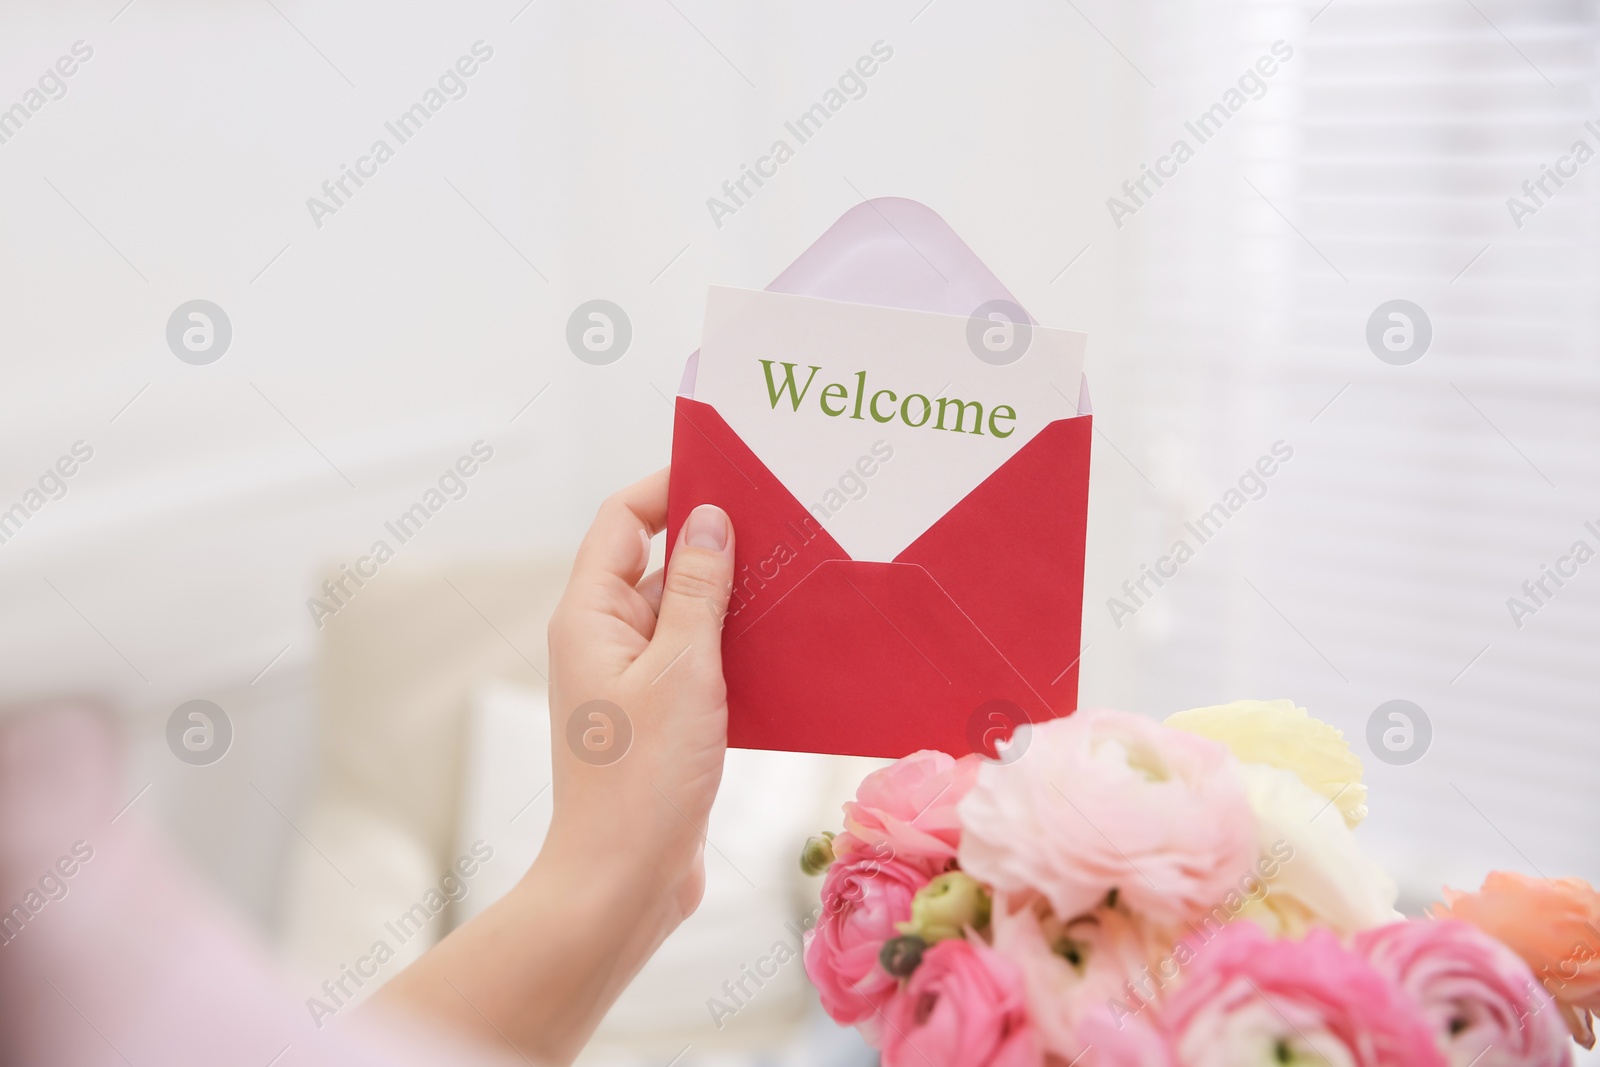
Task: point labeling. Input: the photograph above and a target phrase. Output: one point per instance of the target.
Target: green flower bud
(946, 906)
(901, 955)
(817, 856)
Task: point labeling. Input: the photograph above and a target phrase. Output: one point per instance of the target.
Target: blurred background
(1425, 152)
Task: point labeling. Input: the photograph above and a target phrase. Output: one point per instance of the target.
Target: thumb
(694, 596)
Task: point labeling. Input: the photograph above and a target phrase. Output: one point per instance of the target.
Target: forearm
(540, 967)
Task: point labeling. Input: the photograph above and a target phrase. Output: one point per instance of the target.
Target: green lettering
(961, 414)
(776, 391)
(1010, 413)
(927, 409)
(834, 400)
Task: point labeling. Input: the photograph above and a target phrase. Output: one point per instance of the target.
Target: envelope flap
(896, 253)
(776, 541)
(1011, 555)
(892, 252)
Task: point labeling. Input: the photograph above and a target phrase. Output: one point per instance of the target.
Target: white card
(879, 465)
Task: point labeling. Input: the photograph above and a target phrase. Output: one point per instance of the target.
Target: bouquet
(1114, 891)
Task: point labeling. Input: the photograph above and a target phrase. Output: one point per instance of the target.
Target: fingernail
(707, 528)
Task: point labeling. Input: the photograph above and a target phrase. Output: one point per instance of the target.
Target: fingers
(694, 595)
(650, 588)
(618, 542)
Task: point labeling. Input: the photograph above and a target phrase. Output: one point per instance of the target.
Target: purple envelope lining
(891, 252)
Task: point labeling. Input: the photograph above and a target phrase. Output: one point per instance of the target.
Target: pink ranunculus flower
(910, 808)
(1075, 969)
(1112, 1041)
(1481, 999)
(962, 1007)
(1105, 800)
(863, 896)
(1246, 999)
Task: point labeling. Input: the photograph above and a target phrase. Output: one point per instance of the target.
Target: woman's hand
(639, 727)
(643, 656)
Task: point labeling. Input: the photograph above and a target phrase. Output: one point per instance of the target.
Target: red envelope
(970, 630)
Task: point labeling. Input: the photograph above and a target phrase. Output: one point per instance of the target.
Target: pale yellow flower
(1277, 733)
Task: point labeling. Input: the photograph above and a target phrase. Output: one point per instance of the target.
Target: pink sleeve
(111, 952)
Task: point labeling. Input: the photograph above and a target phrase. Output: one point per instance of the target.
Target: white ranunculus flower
(1326, 881)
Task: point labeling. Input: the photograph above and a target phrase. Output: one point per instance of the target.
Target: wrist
(626, 896)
